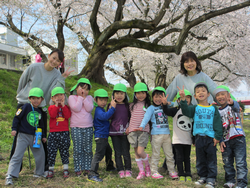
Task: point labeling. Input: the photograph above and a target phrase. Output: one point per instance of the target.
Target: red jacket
(59, 118)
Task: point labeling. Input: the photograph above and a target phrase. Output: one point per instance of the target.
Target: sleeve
(66, 112)
(169, 111)
(17, 119)
(24, 79)
(187, 110)
(211, 84)
(88, 104)
(53, 111)
(147, 117)
(75, 104)
(171, 91)
(104, 116)
(236, 107)
(60, 81)
(41, 125)
(217, 125)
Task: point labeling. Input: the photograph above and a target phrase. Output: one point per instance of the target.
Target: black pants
(183, 156)
(121, 147)
(108, 159)
(44, 116)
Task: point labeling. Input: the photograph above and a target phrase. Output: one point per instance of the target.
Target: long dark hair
(147, 101)
(125, 102)
(185, 57)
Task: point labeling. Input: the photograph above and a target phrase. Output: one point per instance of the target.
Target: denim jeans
(206, 159)
(235, 150)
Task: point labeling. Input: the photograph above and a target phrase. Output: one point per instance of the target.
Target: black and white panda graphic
(184, 123)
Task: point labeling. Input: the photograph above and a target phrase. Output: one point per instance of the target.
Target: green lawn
(9, 82)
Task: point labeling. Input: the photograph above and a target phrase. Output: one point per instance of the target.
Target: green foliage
(242, 106)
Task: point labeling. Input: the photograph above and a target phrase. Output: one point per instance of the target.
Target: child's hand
(182, 93)
(113, 103)
(138, 129)
(127, 131)
(222, 146)
(230, 101)
(56, 103)
(164, 99)
(63, 102)
(67, 73)
(216, 142)
(13, 133)
(44, 140)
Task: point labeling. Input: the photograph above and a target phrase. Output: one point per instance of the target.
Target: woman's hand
(67, 73)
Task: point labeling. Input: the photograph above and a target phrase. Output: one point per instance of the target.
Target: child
(81, 124)
(101, 132)
(233, 145)
(182, 136)
(27, 119)
(118, 126)
(139, 139)
(59, 131)
(207, 130)
(160, 134)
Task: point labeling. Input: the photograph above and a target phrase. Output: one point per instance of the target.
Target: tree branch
(119, 10)
(93, 21)
(208, 55)
(162, 12)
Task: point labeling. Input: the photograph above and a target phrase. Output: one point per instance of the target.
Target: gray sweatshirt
(189, 83)
(37, 76)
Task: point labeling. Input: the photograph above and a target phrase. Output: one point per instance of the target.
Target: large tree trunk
(131, 79)
(160, 80)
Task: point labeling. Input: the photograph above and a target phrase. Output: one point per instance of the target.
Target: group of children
(133, 125)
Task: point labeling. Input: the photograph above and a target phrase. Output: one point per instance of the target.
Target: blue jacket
(101, 123)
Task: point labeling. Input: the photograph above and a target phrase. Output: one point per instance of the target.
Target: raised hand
(164, 99)
(67, 73)
(182, 93)
(230, 101)
(113, 103)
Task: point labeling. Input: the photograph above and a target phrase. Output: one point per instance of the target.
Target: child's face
(82, 91)
(201, 94)
(222, 98)
(141, 96)
(54, 60)
(35, 101)
(190, 65)
(101, 101)
(58, 98)
(119, 96)
(157, 99)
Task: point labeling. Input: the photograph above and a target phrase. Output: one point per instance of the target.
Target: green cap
(140, 87)
(120, 87)
(228, 90)
(159, 88)
(186, 93)
(36, 92)
(220, 89)
(57, 90)
(100, 93)
(81, 80)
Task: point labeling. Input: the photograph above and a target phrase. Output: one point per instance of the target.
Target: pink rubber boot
(141, 168)
(147, 166)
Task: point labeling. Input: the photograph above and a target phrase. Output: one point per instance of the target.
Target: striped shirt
(136, 117)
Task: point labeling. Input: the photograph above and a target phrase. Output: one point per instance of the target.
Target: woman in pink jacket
(38, 57)
(81, 124)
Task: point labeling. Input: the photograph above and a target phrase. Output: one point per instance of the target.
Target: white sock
(51, 168)
(65, 166)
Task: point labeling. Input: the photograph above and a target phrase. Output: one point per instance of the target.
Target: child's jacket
(59, 118)
(207, 119)
(25, 122)
(101, 123)
(158, 118)
(231, 121)
(182, 125)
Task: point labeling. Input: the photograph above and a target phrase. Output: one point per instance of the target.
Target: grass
(8, 104)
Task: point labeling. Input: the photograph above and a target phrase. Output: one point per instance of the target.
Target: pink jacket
(38, 58)
(81, 111)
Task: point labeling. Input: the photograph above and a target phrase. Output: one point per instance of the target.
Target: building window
(2, 59)
(12, 61)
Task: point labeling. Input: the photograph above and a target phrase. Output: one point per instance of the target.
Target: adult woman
(190, 74)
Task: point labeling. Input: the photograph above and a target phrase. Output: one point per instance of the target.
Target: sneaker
(200, 182)
(65, 173)
(188, 179)
(210, 185)
(86, 172)
(8, 180)
(39, 176)
(50, 174)
(182, 179)
(141, 175)
(128, 174)
(229, 185)
(94, 178)
(240, 187)
(78, 174)
(148, 171)
(174, 175)
(121, 174)
(157, 176)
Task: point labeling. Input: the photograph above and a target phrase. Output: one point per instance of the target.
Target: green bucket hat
(57, 90)
(120, 87)
(228, 90)
(100, 93)
(159, 88)
(81, 80)
(36, 92)
(186, 93)
(140, 87)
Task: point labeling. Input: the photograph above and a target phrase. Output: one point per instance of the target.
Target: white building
(11, 56)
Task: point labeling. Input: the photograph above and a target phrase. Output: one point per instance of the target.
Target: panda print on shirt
(184, 123)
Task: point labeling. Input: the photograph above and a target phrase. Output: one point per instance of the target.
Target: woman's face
(54, 60)
(190, 66)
